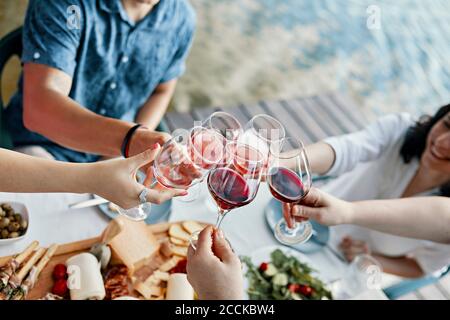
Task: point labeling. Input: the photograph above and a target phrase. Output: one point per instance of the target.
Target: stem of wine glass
(295, 225)
(220, 215)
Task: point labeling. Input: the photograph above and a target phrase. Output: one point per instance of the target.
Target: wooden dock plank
(293, 129)
(431, 292)
(321, 115)
(177, 120)
(340, 117)
(444, 285)
(299, 111)
(409, 296)
(350, 109)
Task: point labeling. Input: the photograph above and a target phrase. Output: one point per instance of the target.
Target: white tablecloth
(51, 221)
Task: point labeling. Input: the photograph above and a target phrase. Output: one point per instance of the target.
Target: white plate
(23, 211)
(263, 255)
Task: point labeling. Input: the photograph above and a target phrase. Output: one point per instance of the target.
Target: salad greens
(284, 278)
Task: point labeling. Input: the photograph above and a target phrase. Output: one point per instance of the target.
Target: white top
(369, 166)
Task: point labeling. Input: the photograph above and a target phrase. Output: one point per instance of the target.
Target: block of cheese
(134, 245)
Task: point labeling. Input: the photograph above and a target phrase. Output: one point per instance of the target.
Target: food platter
(292, 282)
(144, 257)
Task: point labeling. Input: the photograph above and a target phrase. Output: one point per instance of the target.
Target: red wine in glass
(229, 189)
(285, 185)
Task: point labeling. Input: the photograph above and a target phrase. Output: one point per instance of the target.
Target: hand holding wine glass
(289, 180)
(236, 184)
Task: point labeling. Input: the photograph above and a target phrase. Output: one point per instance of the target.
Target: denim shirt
(115, 64)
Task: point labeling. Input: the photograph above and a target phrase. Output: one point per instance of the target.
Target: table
(311, 119)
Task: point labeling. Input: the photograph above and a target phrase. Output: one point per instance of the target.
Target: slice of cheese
(179, 242)
(177, 231)
(191, 226)
(134, 245)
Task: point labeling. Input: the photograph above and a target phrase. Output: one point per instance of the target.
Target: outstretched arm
(112, 179)
(425, 218)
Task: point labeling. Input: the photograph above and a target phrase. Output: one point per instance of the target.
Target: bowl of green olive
(14, 221)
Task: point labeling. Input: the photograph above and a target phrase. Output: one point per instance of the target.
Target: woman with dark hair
(395, 157)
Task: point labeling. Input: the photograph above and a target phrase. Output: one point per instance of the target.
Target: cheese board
(129, 260)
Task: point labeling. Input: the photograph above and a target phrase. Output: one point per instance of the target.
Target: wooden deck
(310, 119)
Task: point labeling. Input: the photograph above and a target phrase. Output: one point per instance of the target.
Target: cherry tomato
(59, 272)
(294, 287)
(263, 267)
(305, 290)
(60, 287)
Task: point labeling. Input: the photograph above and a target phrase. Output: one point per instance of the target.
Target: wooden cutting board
(65, 251)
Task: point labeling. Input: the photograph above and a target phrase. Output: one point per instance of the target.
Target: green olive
(4, 223)
(13, 235)
(6, 207)
(13, 226)
(4, 234)
(23, 224)
(18, 217)
(2, 212)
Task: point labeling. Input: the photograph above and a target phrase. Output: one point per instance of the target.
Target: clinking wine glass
(289, 180)
(185, 160)
(236, 184)
(261, 132)
(230, 128)
(226, 124)
(182, 163)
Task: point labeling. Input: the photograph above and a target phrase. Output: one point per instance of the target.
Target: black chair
(10, 45)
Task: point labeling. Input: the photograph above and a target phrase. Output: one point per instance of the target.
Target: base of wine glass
(300, 234)
(138, 213)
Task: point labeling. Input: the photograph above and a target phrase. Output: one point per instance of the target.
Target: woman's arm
(321, 157)
(112, 179)
(22, 173)
(341, 154)
(401, 266)
(425, 218)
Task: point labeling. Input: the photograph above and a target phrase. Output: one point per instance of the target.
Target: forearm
(22, 173)
(424, 218)
(400, 266)
(321, 157)
(153, 110)
(64, 121)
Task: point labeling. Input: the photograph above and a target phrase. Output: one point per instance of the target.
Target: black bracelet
(127, 139)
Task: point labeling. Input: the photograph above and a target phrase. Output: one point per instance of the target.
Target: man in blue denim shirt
(90, 63)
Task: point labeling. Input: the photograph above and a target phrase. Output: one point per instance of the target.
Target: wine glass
(172, 168)
(364, 273)
(236, 184)
(261, 132)
(230, 128)
(289, 180)
(226, 124)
